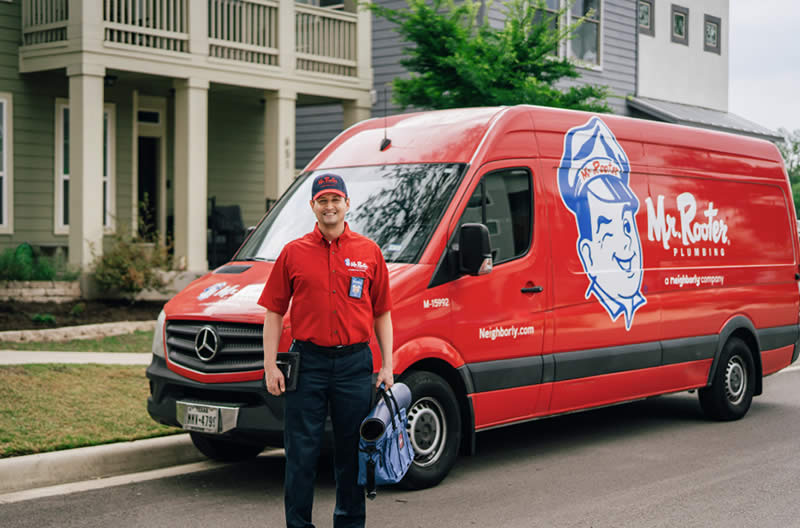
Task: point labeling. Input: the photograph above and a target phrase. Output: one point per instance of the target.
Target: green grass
(52, 407)
(139, 341)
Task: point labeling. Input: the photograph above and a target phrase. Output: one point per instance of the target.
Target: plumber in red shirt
(338, 284)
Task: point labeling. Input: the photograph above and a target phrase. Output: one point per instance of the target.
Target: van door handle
(532, 289)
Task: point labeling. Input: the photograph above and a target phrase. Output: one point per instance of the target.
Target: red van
(542, 261)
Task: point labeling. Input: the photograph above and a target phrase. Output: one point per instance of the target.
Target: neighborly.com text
(504, 331)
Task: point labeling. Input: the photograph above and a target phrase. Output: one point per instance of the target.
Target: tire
(225, 449)
(434, 427)
(732, 387)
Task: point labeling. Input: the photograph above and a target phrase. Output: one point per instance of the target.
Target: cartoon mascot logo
(593, 181)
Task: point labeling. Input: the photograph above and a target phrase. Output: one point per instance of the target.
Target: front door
(148, 193)
(499, 318)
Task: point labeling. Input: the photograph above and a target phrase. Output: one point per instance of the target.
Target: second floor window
(680, 24)
(711, 34)
(585, 44)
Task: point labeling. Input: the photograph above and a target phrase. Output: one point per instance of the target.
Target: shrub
(24, 263)
(130, 266)
(45, 318)
(78, 309)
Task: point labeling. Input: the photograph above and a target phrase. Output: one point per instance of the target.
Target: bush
(131, 265)
(23, 263)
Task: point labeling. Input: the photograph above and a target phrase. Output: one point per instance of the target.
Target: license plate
(201, 418)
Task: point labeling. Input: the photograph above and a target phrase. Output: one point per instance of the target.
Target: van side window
(503, 202)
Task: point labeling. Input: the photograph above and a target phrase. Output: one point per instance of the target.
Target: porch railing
(238, 30)
(44, 21)
(157, 24)
(243, 30)
(325, 40)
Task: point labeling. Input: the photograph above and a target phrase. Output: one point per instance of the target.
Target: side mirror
(474, 250)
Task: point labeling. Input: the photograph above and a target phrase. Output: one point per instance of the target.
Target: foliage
(130, 266)
(456, 60)
(78, 309)
(23, 263)
(790, 150)
(45, 318)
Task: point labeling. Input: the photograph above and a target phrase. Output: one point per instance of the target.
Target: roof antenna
(386, 141)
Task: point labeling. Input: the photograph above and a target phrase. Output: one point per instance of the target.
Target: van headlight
(158, 336)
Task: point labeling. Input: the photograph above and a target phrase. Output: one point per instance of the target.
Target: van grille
(239, 346)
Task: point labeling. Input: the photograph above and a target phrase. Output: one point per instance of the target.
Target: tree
(790, 150)
(457, 61)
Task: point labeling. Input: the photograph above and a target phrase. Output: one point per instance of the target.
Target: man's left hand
(386, 377)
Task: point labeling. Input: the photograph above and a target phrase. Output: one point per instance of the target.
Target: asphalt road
(655, 463)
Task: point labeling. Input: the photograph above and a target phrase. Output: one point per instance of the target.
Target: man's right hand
(276, 385)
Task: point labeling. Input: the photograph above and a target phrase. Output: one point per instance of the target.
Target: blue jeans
(345, 384)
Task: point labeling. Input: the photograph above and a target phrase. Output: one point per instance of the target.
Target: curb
(83, 463)
(65, 333)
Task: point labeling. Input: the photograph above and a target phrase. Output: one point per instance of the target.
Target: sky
(764, 67)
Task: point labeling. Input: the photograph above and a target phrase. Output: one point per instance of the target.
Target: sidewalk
(32, 472)
(22, 357)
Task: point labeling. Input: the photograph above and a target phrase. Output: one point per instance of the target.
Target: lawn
(52, 407)
(140, 341)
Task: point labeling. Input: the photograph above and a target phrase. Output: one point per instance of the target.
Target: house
(140, 113)
(129, 114)
(682, 66)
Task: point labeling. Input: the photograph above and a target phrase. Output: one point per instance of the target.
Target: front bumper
(260, 415)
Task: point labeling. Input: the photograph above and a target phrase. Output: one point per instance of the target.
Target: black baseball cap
(328, 183)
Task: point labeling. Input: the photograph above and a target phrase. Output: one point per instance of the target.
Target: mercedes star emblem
(206, 343)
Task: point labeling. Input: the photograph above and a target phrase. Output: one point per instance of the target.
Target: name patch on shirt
(356, 287)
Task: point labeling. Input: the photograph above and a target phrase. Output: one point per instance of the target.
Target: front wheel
(434, 427)
(732, 387)
(224, 449)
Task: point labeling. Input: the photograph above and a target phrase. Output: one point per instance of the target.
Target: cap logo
(593, 181)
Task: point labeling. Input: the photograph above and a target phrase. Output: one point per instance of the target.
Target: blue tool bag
(385, 451)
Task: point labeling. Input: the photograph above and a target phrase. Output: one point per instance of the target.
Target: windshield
(397, 206)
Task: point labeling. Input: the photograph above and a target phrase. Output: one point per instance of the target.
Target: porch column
(279, 142)
(191, 173)
(356, 111)
(363, 38)
(286, 36)
(86, 164)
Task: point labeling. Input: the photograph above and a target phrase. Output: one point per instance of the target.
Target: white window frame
(109, 167)
(7, 165)
(565, 47)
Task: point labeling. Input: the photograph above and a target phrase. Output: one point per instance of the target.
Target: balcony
(278, 38)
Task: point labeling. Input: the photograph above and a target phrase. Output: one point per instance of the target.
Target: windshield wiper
(250, 259)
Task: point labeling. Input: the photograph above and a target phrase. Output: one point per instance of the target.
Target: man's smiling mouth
(625, 264)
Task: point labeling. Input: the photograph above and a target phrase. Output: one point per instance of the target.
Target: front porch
(145, 58)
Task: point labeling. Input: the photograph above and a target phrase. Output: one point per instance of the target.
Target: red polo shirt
(336, 288)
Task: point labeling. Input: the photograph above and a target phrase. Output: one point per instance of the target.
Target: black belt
(337, 351)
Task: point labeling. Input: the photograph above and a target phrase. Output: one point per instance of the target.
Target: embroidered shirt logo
(355, 264)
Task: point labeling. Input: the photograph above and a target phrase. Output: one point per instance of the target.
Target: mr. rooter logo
(708, 231)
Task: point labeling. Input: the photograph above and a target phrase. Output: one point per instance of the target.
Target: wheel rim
(427, 430)
(735, 380)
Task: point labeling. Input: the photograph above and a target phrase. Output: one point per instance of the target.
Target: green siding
(236, 153)
(34, 98)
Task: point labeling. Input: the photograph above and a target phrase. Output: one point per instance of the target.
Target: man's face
(330, 208)
(613, 256)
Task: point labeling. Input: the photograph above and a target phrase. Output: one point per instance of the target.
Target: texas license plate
(201, 418)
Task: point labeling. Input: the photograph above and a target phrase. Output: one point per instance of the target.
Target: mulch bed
(27, 316)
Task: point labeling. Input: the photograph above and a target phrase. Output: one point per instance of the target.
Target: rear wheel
(733, 384)
(225, 449)
(434, 427)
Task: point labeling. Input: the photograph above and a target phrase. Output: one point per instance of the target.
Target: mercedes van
(542, 261)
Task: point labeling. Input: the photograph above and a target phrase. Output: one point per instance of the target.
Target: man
(593, 181)
(339, 287)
